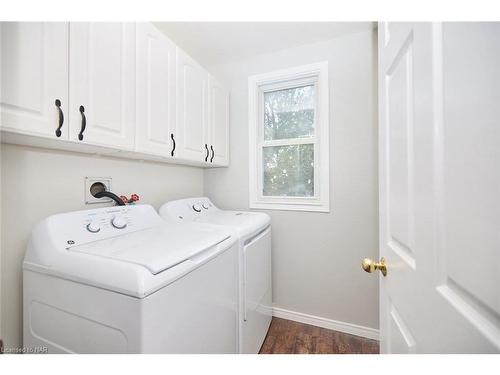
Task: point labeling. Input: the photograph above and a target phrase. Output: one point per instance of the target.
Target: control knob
(93, 227)
(119, 222)
(197, 207)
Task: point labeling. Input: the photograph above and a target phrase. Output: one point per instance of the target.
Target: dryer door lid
(247, 223)
(156, 249)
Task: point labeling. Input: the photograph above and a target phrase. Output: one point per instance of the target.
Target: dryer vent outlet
(95, 185)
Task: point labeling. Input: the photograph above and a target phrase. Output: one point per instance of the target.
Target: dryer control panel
(201, 205)
(187, 209)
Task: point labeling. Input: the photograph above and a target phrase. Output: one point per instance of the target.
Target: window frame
(280, 80)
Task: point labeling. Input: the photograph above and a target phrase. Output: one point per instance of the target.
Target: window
(288, 113)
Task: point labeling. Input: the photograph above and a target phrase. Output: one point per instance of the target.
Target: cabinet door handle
(84, 123)
(173, 148)
(61, 118)
(206, 148)
(213, 153)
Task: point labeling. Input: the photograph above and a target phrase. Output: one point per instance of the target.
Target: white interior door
(192, 98)
(218, 123)
(155, 91)
(440, 187)
(34, 71)
(102, 83)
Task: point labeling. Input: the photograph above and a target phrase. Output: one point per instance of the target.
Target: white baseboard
(352, 329)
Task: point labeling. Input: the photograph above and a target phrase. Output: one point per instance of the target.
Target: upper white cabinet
(102, 83)
(218, 124)
(192, 108)
(155, 131)
(115, 88)
(34, 71)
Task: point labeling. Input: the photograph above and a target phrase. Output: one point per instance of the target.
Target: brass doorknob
(370, 266)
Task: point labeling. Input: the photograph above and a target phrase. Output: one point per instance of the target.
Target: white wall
(36, 183)
(317, 256)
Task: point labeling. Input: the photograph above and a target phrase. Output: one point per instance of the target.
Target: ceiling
(212, 43)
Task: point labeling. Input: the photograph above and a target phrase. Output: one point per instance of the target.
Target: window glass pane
(288, 170)
(289, 113)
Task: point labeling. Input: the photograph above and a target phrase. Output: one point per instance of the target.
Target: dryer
(122, 280)
(253, 230)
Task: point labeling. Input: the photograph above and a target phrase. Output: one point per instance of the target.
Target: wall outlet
(89, 198)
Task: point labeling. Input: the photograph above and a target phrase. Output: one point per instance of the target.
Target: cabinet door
(192, 97)
(102, 83)
(155, 132)
(34, 71)
(218, 123)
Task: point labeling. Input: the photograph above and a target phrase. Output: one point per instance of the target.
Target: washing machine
(122, 280)
(253, 230)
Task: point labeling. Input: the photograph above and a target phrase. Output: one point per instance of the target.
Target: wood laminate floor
(289, 337)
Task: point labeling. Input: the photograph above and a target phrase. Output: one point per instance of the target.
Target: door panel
(155, 91)
(401, 340)
(440, 187)
(400, 154)
(34, 71)
(219, 122)
(102, 80)
(468, 156)
(192, 98)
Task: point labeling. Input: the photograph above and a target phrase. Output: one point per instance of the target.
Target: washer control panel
(111, 219)
(81, 227)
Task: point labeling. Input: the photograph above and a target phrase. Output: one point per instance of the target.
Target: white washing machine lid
(156, 249)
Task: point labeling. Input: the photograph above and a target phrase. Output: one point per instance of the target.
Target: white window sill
(290, 207)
